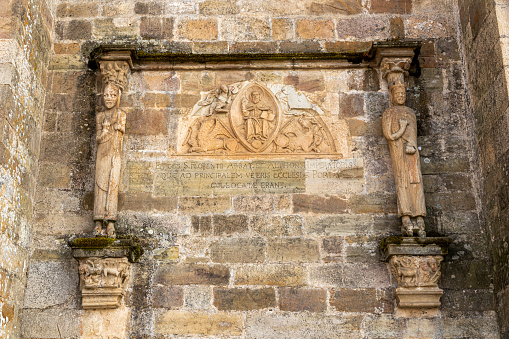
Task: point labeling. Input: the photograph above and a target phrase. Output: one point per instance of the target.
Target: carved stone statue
(399, 126)
(110, 128)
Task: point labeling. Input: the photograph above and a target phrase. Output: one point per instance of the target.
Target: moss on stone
(98, 242)
(390, 240)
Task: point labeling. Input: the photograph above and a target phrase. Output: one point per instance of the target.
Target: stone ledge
(101, 247)
(398, 245)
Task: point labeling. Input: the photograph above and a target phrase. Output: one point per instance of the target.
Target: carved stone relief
(103, 281)
(416, 271)
(110, 129)
(252, 118)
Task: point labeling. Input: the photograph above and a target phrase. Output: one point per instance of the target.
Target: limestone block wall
(485, 31)
(25, 44)
(300, 262)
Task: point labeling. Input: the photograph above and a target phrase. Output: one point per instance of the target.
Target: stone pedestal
(415, 263)
(104, 269)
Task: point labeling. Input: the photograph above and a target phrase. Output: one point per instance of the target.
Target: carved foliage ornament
(249, 117)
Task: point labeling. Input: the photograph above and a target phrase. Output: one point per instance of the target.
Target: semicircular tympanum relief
(250, 118)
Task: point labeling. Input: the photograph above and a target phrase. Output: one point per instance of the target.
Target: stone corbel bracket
(415, 264)
(104, 269)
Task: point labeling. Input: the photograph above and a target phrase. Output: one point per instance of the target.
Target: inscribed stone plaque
(212, 177)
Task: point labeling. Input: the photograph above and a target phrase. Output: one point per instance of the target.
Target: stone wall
(25, 30)
(485, 35)
(300, 262)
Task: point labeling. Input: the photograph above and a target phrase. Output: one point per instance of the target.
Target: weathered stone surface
(202, 224)
(215, 7)
(346, 276)
(273, 275)
(192, 274)
(336, 7)
(479, 326)
(282, 29)
(169, 297)
(302, 325)
(51, 283)
(156, 28)
(383, 326)
(204, 204)
(238, 250)
(198, 323)
(240, 299)
(145, 201)
(245, 29)
(66, 323)
(302, 299)
(339, 225)
(106, 323)
(296, 250)
(396, 6)
(198, 29)
(317, 204)
(74, 30)
(363, 28)
(315, 29)
(368, 300)
(198, 297)
(230, 224)
(260, 204)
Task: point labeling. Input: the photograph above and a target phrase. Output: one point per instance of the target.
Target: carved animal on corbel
(404, 270)
(89, 273)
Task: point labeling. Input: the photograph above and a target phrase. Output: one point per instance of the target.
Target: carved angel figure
(400, 129)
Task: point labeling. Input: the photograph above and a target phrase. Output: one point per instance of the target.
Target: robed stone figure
(110, 129)
(400, 130)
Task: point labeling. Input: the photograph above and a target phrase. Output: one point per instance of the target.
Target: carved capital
(415, 264)
(104, 269)
(115, 67)
(103, 281)
(394, 64)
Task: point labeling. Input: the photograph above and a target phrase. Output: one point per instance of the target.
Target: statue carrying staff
(110, 128)
(399, 126)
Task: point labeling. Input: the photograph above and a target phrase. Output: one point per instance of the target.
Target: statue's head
(398, 95)
(255, 97)
(111, 95)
